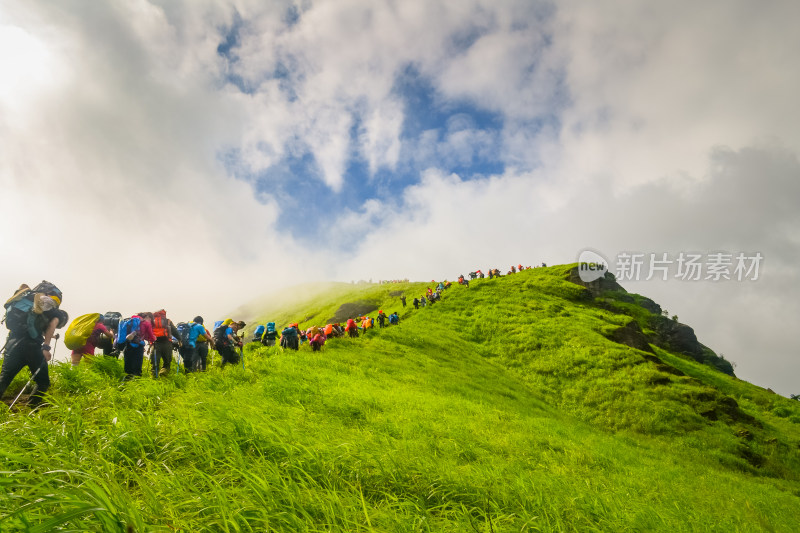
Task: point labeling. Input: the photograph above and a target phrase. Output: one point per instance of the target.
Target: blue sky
(240, 147)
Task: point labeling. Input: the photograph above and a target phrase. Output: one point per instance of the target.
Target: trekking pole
(26, 386)
(241, 354)
(55, 345)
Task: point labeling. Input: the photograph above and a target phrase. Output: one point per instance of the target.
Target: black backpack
(21, 316)
(221, 338)
(111, 320)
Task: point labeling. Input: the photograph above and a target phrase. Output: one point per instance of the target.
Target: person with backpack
(202, 343)
(415, 301)
(111, 322)
(351, 328)
(290, 337)
(381, 319)
(196, 360)
(270, 334)
(258, 333)
(132, 336)
(32, 317)
(317, 341)
(161, 349)
(99, 330)
(226, 341)
(403, 300)
(394, 318)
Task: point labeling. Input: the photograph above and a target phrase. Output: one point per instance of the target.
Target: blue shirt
(195, 331)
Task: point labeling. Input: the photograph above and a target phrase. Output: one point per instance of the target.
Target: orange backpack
(161, 325)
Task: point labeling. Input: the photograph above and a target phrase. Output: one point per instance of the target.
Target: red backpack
(161, 324)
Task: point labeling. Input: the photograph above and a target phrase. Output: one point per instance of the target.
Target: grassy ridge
(502, 408)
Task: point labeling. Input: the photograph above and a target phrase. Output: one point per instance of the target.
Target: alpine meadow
(514, 404)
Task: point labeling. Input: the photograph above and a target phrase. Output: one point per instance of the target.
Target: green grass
(501, 408)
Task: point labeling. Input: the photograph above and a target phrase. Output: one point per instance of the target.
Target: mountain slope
(505, 407)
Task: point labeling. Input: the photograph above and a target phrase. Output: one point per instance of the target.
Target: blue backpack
(217, 324)
(259, 331)
(129, 332)
(270, 327)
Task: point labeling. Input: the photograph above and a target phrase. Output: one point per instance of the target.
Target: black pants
(162, 350)
(229, 355)
(201, 356)
(134, 357)
(19, 354)
(187, 354)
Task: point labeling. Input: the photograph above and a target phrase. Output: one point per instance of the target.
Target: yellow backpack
(80, 330)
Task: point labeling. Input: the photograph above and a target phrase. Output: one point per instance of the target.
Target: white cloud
(113, 119)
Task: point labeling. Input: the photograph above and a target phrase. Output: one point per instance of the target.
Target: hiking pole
(55, 345)
(26, 386)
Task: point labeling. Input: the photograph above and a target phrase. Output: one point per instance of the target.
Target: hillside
(508, 406)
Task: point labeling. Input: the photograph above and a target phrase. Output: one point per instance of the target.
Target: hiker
(317, 341)
(465, 283)
(196, 361)
(351, 328)
(480, 274)
(269, 336)
(423, 301)
(226, 341)
(403, 300)
(133, 333)
(32, 317)
(161, 349)
(381, 319)
(415, 301)
(99, 330)
(202, 343)
(258, 333)
(290, 337)
(394, 318)
(111, 322)
(513, 269)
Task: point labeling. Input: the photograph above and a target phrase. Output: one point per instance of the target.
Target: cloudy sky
(193, 154)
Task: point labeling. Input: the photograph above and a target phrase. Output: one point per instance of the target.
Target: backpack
(111, 320)
(220, 337)
(25, 310)
(161, 325)
(80, 330)
(183, 332)
(289, 333)
(259, 331)
(394, 319)
(129, 331)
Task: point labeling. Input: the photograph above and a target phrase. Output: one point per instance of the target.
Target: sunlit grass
(501, 408)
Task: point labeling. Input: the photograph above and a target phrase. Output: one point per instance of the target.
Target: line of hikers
(33, 314)
(291, 337)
